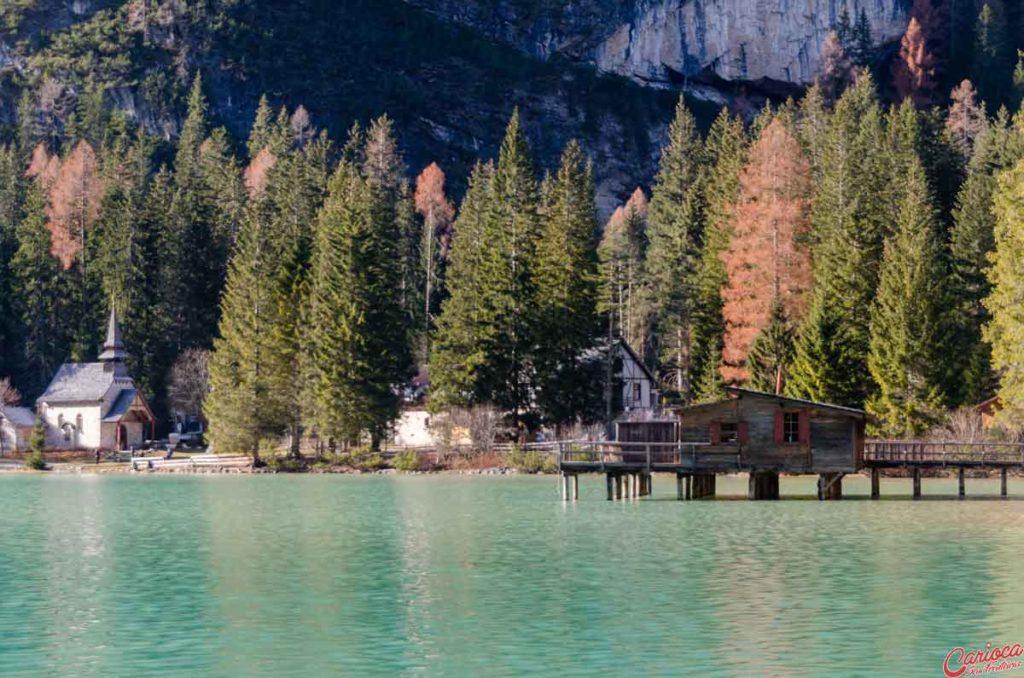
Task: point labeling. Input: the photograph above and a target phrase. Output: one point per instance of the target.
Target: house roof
(123, 404)
(636, 359)
(21, 417)
(80, 382)
(741, 392)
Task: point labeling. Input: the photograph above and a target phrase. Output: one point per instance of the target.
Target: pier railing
(605, 454)
(949, 453)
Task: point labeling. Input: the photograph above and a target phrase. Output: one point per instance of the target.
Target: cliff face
(663, 43)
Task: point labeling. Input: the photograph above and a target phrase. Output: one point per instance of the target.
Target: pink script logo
(960, 662)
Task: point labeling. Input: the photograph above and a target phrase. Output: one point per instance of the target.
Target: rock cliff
(666, 43)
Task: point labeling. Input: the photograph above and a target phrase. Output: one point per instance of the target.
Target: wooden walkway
(628, 465)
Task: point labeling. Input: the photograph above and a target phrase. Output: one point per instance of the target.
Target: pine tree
(565, 277)
(242, 407)
(1003, 331)
(771, 353)
(726, 156)
(993, 63)
(966, 118)
(863, 44)
(972, 240)
(41, 293)
(622, 251)
(907, 324)
(461, 372)
(12, 199)
(674, 233)
(849, 218)
(825, 358)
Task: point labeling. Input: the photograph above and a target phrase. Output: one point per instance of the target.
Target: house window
(791, 427)
(636, 393)
(729, 432)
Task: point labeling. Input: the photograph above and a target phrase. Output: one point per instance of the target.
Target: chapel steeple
(113, 347)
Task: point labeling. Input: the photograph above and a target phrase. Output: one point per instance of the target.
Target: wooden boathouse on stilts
(765, 435)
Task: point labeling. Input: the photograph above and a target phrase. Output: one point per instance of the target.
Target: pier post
(917, 483)
(961, 489)
(689, 487)
(875, 484)
(1002, 482)
(635, 477)
(610, 486)
(763, 485)
(830, 486)
(703, 485)
(561, 486)
(618, 486)
(679, 486)
(575, 486)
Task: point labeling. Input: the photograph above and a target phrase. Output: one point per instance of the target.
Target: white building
(632, 379)
(96, 405)
(15, 428)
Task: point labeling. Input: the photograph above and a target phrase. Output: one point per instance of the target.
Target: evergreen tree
(622, 251)
(849, 218)
(1003, 331)
(468, 328)
(360, 350)
(41, 294)
(242, 406)
(971, 242)
(907, 325)
(993, 61)
(565, 277)
(674, 232)
(863, 44)
(825, 358)
(726, 156)
(12, 198)
(771, 353)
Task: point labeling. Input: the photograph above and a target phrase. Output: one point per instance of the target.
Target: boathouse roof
(735, 392)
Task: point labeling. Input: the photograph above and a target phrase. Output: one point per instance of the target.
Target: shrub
(406, 461)
(530, 461)
(284, 464)
(36, 462)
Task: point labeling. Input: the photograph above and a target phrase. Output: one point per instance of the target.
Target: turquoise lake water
(469, 576)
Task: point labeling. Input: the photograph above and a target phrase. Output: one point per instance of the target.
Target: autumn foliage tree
(914, 72)
(75, 196)
(438, 213)
(767, 260)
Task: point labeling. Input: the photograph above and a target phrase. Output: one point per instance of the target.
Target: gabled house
(91, 406)
(15, 428)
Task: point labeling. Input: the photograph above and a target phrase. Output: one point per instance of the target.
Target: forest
(837, 248)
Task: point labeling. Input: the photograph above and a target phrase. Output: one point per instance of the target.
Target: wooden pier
(628, 466)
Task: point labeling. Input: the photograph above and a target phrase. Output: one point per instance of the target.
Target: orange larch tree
(767, 257)
(75, 196)
(438, 213)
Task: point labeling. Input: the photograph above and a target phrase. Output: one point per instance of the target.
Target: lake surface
(447, 575)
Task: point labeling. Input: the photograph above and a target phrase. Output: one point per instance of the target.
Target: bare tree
(189, 381)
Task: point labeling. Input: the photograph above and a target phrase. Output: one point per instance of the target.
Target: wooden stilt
(689, 487)
(610, 486)
(679, 486)
(830, 486)
(763, 485)
(917, 483)
(1002, 482)
(618, 487)
(961, 488)
(575, 487)
(561, 485)
(875, 484)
